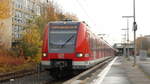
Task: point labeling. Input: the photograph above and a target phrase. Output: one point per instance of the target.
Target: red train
(70, 45)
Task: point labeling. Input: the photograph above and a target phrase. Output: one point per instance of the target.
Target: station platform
(122, 71)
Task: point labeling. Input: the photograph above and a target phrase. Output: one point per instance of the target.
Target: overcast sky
(105, 16)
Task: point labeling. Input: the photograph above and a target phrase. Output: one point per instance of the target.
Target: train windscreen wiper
(67, 41)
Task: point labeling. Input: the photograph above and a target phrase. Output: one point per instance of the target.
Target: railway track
(12, 75)
(83, 76)
(34, 78)
(87, 75)
(37, 77)
(29, 77)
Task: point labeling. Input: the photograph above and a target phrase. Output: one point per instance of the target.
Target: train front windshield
(62, 40)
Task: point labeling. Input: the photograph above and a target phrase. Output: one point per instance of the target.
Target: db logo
(60, 55)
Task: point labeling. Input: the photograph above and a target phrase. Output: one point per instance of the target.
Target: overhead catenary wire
(85, 1)
(76, 4)
(85, 12)
(79, 3)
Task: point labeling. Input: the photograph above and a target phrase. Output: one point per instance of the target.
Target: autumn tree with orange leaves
(31, 43)
(5, 14)
(5, 9)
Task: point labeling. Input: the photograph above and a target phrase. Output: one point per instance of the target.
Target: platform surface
(122, 71)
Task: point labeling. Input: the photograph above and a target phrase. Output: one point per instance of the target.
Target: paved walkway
(135, 74)
(121, 71)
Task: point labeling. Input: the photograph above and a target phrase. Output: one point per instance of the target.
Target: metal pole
(128, 38)
(134, 29)
(134, 48)
(125, 46)
(134, 9)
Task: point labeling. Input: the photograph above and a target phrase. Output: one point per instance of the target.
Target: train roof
(59, 23)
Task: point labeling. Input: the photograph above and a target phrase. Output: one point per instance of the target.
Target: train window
(88, 37)
(62, 40)
(91, 42)
(98, 44)
(94, 43)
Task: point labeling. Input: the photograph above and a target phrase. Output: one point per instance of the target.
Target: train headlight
(79, 55)
(44, 54)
